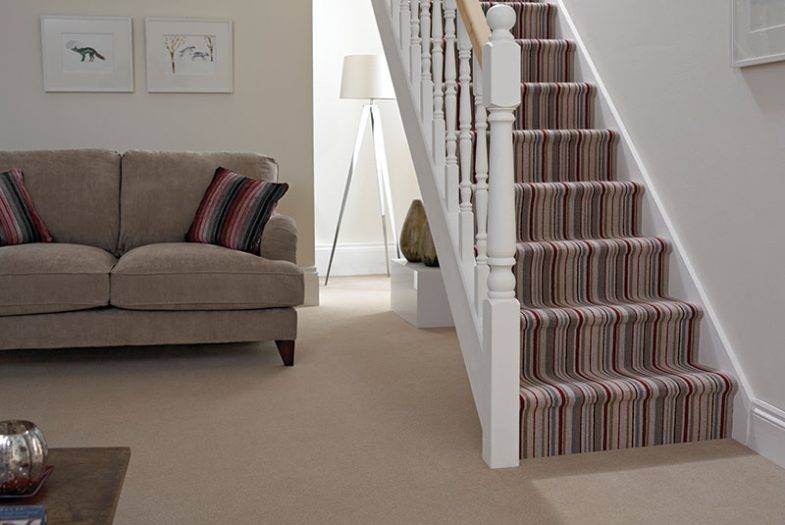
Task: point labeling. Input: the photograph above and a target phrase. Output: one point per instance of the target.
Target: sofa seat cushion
(191, 276)
(45, 278)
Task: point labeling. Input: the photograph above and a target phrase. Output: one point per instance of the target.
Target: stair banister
(441, 46)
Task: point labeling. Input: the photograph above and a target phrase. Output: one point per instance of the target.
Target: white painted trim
(311, 286)
(766, 431)
(715, 344)
(353, 259)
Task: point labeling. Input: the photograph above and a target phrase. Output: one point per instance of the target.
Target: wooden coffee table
(84, 486)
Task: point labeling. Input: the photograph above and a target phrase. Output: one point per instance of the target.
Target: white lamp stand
(366, 77)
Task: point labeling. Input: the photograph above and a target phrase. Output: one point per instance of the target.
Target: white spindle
(501, 312)
(439, 125)
(416, 52)
(466, 218)
(451, 111)
(481, 269)
(426, 89)
(395, 14)
(406, 36)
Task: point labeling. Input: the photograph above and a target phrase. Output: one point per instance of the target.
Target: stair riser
(565, 156)
(606, 339)
(547, 61)
(551, 431)
(577, 210)
(533, 20)
(567, 273)
(556, 106)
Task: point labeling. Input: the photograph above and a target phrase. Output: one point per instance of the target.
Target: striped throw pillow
(19, 220)
(234, 211)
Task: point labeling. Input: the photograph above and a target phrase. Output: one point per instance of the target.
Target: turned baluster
(406, 36)
(466, 217)
(395, 15)
(439, 124)
(426, 88)
(451, 111)
(481, 269)
(416, 53)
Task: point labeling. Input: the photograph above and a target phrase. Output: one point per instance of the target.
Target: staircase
(543, 252)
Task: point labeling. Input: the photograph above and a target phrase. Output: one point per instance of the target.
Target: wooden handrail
(476, 24)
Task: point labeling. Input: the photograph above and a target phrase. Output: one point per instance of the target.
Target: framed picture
(87, 53)
(758, 31)
(186, 55)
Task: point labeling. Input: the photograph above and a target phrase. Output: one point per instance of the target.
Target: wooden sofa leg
(286, 349)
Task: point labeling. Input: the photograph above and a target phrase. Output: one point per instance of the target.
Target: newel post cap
(501, 61)
(501, 17)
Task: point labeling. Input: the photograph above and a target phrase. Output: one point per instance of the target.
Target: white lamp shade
(366, 77)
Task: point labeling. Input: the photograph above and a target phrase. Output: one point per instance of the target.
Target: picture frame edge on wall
(49, 84)
(150, 59)
(740, 63)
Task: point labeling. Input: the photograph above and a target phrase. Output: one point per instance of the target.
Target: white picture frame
(757, 32)
(189, 55)
(87, 53)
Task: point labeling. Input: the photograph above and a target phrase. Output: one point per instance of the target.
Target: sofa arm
(279, 239)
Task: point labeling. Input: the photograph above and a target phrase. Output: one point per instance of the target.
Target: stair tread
(584, 184)
(565, 84)
(537, 133)
(545, 42)
(591, 313)
(629, 384)
(661, 244)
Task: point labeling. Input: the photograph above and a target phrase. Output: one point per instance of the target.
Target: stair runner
(608, 358)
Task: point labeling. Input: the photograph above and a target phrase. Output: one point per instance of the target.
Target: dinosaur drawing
(200, 54)
(187, 51)
(85, 51)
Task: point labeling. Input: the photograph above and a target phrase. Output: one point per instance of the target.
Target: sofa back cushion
(76, 192)
(161, 191)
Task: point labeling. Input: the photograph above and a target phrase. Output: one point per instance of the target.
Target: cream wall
(338, 32)
(713, 140)
(269, 112)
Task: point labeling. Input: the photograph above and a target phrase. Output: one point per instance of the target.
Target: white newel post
(406, 36)
(451, 111)
(416, 52)
(439, 125)
(501, 312)
(466, 217)
(481, 269)
(426, 89)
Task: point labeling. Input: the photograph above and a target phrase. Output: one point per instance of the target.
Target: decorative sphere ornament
(23, 453)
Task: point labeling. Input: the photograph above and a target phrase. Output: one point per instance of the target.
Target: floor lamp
(365, 77)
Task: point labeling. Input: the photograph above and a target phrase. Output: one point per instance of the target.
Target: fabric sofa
(119, 272)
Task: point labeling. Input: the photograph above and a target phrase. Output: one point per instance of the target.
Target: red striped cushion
(234, 211)
(19, 220)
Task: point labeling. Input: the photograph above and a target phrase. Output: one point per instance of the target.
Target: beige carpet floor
(375, 424)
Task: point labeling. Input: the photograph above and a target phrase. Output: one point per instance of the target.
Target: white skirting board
(353, 259)
(766, 431)
(311, 286)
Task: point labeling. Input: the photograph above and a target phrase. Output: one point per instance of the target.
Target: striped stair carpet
(609, 360)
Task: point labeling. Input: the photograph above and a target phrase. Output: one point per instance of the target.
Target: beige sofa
(120, 273)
